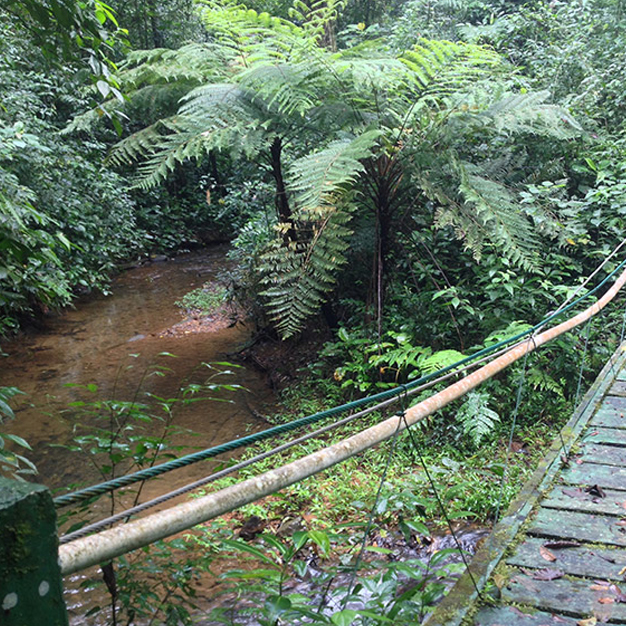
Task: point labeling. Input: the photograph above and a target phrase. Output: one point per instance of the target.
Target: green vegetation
(413, 180)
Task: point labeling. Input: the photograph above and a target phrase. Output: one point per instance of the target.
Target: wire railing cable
(124, 515)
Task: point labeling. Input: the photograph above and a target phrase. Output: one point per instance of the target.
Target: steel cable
(101, 488)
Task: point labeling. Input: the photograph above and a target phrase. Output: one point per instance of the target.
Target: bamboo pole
(85, 552)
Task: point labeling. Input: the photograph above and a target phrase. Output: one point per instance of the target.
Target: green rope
(152, 472)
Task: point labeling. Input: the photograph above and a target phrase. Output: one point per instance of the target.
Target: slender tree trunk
(329, 40)
(154, 27)
(385, 177)
(283, 209)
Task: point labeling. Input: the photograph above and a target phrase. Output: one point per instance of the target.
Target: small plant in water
(204, 300)
(121, 436)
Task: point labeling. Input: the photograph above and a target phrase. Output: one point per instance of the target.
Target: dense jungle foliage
(406, 182)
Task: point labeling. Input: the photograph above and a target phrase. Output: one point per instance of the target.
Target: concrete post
(31, 591)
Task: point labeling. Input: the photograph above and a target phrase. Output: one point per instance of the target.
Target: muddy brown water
(113, 342)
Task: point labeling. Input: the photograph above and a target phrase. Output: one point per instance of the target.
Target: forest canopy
(401, 155)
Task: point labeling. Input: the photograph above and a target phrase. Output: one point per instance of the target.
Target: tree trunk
(283, 209)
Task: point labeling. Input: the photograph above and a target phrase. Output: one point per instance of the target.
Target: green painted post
(31, 591)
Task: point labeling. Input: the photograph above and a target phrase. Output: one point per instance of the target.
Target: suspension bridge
(553, 558)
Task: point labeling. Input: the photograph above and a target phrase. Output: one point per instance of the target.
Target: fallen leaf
(579, 461)
(548, 574)
(557, 545)
(596, 490)
(500, 580)
(600, 586)
(546, 554)
(622, 571)
(592, 621)
(606, 600)
(576, 493)
(622, 522)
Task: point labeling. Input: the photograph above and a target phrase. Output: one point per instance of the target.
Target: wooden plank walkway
(558, 558)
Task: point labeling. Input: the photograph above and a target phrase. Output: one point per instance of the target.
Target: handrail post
(31, 588)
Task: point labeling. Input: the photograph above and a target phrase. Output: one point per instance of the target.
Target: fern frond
(439, 68)
(192, 63)
(488, 211)
(539, 380)
(318, 177)
(254, 37)
(289, 88)
(529, 113)
(138, 145)
(298, 276)
(371, 70)
(475, 418)
(316, 15)
(513, 329)
(439, 360)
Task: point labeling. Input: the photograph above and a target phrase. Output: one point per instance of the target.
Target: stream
(112, 343)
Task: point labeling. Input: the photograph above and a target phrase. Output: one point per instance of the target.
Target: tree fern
(299, 275)
(326, 121)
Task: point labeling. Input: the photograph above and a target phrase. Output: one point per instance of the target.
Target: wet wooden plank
(576, 597)
(582, 527)
(611, 414)
(611, 436)
(619, 387)
(621, 375)
(512, 616)
(606, 476)
(572, 498)
(588, 561)
(600, 453)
